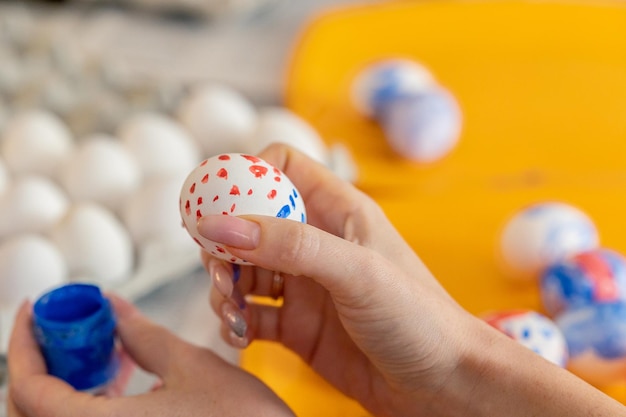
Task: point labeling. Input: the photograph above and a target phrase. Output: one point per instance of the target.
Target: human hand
(361, 308)
(358, 305)
(194, 381)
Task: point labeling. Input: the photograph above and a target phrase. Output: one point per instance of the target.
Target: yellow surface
(542, 86)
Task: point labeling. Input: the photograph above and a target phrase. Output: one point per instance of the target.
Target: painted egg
(236, 184)
(596, 276)
(422, 127)
(386, 80)
(596, 337)
(533, 330)
(544, 234)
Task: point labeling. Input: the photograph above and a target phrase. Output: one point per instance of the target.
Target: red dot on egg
(205, 179)
(188, 208)
(232, 208)
(216, 198)
(276, 171)
(252, 158)
(222, 173)
(225, 213)
(192, 189)
(233, 259)
(220, 250)
(277, 179)
(250, 191)
(258, 170)
(199, 200)
(204, 162)
(198, 242)
(271, 195)
(234, 190)
(198, 214)
(224, 158)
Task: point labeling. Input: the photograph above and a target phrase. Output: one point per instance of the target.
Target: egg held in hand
(236, 184)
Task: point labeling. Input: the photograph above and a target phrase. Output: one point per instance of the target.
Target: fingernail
(222, 277)
(234, 319)
(236, 341)
(230, 231)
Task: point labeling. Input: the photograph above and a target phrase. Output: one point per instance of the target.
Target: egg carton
(87, 144)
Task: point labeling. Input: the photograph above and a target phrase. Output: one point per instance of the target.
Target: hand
(359, 305)
(195, 382)
(361, 308)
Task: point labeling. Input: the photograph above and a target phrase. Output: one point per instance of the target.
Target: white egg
(31, 204)
(219, 118)
(543, 234)
(36, 142)
(160, 145)
(152, 214)
(29, 265)
(94, 244)
(281, 125)
(236, 184)
(387, 79)
(101, 170)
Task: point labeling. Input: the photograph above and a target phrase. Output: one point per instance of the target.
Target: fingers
(24, 354)
(151, 346)
(319, 188)
(299, 249)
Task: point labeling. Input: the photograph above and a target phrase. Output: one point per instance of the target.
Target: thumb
(147, 343)
(300, 249)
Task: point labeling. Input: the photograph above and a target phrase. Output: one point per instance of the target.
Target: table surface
(542, 87)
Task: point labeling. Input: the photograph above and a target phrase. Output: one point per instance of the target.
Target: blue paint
(284, 212)
(74, 326)
(303, 218)
(293, 202)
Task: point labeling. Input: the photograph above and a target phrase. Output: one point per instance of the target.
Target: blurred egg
(543, 234)
(219, 118)
(386, 80)
(276, 124)
(29, 265)
(422, 127)
(236, 184)
(36, 142)
(533, 330)
(596, 337)
(101, 170)
(94, 244)
(31, 204)
(160, 145)
(596, 276)
(152, 214)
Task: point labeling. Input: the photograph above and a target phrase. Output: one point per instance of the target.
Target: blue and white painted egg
(534, 331)
(543, 234)
(236, 184)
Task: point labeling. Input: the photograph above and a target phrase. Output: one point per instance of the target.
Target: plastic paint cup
(74, 326)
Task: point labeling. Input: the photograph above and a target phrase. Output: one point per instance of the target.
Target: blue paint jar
(74, 326)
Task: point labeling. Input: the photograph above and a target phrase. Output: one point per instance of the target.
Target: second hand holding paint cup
(74, 326)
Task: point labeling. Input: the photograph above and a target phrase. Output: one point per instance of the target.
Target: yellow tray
(542, 86)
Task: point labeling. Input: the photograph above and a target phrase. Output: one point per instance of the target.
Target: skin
(361, 309)
(358, 306)
(194, 381)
